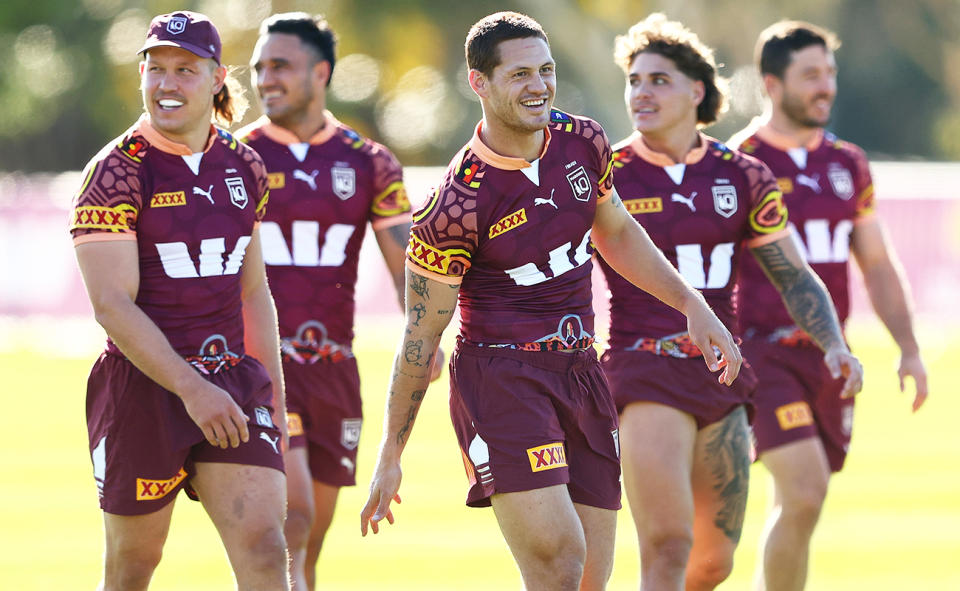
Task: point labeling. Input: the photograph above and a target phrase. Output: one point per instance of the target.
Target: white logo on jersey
(306, 247)
(207, 193)
(262, 416)
(616, 440)
(238, 193)
(579, 183)
(558, 262)
(841, 180)
(344, 182)
(178, 264)
(686, 201)
(273, 442)
(310, 179)
(480, 457)
(350, 433)
(812, 182)
(724, 199)
(540, 201)
(348, 464)
(177, 25)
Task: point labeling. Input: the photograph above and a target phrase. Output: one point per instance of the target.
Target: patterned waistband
(791, 336)
(676, 345)
(211, 364)
(549, 345)
(308, 353)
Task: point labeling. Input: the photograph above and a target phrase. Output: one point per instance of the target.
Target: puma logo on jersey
(688, 201)
(273, 442)
(348, 464)
(207, 193)
(812, 182)
(541, 201)
(310, 179)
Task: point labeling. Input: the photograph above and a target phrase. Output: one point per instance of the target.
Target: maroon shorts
(324, 415)
(144, 445)
(684, 384)
(797, 398)
(530, 419)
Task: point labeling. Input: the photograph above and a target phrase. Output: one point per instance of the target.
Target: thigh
(720, 477)
(600, 533)
(136, 535)
(834, 418)
(243, 501)
(800, 471)
(537, 520)
(657, 447)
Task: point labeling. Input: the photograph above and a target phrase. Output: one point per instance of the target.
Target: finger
(242, 427)
(220, 435)
(365, 515)
(833, 366)
(233, 433)
(210, 436)
(709, 357)
(390, 517)
(920, 381)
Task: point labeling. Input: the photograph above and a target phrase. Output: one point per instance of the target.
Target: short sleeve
(109, 202)
(604, 159)
(259, 171)
(862, 182)
(390, 205)
(444, 237)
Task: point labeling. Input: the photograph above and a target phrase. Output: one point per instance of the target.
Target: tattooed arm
(810, 306)
(625, 245)
(429, 306)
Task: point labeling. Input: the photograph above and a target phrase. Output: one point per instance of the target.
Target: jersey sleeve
(259, 170)
(604, 159)
(862, 182)
(768, 213)
(444, 237)
(390, 205)
(109, 202)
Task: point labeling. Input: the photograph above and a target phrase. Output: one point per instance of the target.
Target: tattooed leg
(721, 472)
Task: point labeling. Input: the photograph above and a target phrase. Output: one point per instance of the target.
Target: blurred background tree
(69, 82)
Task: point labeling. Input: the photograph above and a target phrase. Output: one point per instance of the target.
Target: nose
(263, 77)
(537, 84)
(167, 81)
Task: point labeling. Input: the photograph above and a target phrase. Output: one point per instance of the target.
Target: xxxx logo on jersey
(276, 180)
(151, 490)
(509, 222)
(429, 257)
(793, 415)
(96, 217)
(647, 205)
(547, 457)
(172, 199)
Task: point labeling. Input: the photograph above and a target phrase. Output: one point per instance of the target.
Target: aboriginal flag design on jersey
(192, 218)
(323, 193)
(516, 236)
(828, 189)
(701, 214)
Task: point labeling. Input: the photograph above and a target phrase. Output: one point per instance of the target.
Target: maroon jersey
(322, 195)
(515, 235)
(192, 216)
(827, 188)
(701, 213)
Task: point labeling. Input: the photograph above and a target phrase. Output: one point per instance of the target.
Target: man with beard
(803, 424)
(327, 184)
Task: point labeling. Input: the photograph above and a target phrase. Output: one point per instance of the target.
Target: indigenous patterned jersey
(516, 236)
(192, 217)
(322, 195)
(700, 213)
(827, 188)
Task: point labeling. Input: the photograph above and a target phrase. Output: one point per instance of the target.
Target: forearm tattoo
(413, 351)
(728, 453)
(416, 397)
(804, 295)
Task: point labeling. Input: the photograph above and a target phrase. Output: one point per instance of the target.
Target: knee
(297, 526)
(265, 547)
(709, 572)
(667, 547)
(803, 505)
(562, 556)
(130, 566)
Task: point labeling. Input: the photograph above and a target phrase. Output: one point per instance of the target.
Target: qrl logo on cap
(177, 25)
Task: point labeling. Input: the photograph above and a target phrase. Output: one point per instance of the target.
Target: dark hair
(776, 44)
(484, 37)
(656, 34)
(313, 31)
(230, 103)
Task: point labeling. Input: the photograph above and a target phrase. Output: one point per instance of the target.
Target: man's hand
(706, 332)
(842, 363)
(220, 418)
(912, 365)
(383, 490)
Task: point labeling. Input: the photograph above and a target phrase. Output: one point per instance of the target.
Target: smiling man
(188, 393)
(804, 422)
(327, 185)
(510, 232)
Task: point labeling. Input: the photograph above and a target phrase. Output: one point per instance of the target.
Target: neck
(777, 120)
(194, 139)
(308, 123)
(511, 142)
(674, 144)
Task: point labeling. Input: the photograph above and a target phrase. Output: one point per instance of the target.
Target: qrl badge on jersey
(841, 180)
(579, 183)
(350, 433)
(724, 199)
(238, 193)
(344, 182)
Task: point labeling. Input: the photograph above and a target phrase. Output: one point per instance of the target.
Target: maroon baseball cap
(187, 30)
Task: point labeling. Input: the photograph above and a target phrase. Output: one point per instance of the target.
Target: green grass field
(892, 519)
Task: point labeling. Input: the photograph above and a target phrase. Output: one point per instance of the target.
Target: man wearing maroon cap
(188, 393)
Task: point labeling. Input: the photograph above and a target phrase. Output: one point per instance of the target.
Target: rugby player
(804, 420)
(189, 392)
(684, 437)
(510, 232)
(327, 183)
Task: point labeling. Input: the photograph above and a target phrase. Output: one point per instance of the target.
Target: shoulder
(567, 125)
(739, 159)
(124, 156)
(245, 152)
(252, 132)
(844, 148)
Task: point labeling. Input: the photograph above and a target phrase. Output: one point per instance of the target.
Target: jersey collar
(484, 153)
(284, 136)
(784, 142)
(660, 159)
(163, 143)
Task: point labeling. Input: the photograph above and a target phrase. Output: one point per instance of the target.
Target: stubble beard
(796, 110)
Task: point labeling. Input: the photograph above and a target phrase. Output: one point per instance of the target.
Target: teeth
(170, 103)
(271, 94)
(535, 103)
